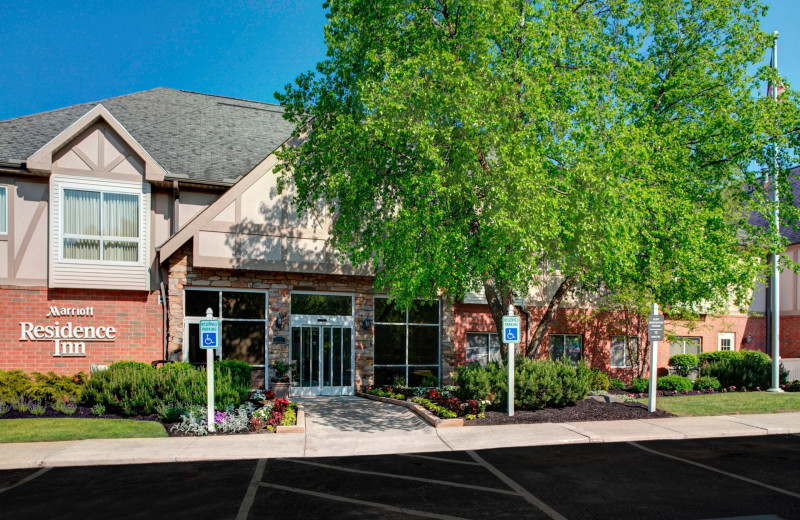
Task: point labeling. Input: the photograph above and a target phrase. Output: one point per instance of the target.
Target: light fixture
(279, 322)
(748, 339)
(366, 324)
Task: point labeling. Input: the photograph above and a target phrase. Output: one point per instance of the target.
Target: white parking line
(403, 477)
(521, 491)
(250, 495)
(385, 507)
(438, 459)
(721, 472)
(27, 479)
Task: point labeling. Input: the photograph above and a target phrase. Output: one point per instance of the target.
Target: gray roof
(197, 137)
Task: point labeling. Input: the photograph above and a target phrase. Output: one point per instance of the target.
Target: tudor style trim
(41, 162)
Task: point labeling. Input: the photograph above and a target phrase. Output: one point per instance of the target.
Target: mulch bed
(586, 410)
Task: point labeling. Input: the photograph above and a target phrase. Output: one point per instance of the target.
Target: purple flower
(219, 416)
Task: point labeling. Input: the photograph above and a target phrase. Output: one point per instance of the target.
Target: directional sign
(209, 334)
(655, 327)
(511, 329)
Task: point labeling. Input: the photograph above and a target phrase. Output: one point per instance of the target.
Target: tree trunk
(499, 296)
(541, 329)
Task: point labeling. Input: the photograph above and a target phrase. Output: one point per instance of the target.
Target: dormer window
(100, 226)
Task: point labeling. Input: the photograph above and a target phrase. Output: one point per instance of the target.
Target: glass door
(322, 359)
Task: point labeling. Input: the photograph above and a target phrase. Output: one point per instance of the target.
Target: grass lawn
(49, 429)
(729, 403)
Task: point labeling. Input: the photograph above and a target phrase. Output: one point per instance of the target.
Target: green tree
(465, 145)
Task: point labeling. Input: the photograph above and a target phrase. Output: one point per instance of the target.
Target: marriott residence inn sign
(69, 339)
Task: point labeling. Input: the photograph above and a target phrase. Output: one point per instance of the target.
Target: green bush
(241, 372)
(600, 380)
(138, 389)
(706, 383)
(616, 384)
(683, 363)
(487, 383)
(751, 370)
(640, 385)
(14, 383)
(541, 384)
(705, 358)
(41, 387)
(678, 383)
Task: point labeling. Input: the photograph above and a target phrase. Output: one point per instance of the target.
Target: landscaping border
(436, 422)
(299, 426)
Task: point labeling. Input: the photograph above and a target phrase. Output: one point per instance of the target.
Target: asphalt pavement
(754, 477)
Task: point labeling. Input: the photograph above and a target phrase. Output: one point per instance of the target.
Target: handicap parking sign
(209, 334)
(511, 326)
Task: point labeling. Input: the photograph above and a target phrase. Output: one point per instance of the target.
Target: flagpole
(775, 293)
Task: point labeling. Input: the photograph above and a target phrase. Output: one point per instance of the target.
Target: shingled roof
(199, 137)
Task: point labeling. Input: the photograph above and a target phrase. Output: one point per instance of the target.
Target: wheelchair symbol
(209, 339)
(511, 334)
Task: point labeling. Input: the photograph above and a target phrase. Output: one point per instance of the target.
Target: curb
(436, 422)
(299, 427)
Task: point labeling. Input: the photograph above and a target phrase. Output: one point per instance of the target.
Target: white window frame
(726, 336)
(62, 235)
(625, 350)
(4, 189)
(488, 343)
(565, 354)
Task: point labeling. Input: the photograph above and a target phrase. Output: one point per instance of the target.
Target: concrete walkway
(355, 426)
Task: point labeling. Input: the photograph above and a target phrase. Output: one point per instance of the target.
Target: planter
(281, 389)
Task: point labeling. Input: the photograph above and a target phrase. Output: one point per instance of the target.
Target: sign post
(511, 326)
(655, 333)
(209, 340)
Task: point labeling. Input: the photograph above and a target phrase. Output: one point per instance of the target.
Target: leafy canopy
(466, 142)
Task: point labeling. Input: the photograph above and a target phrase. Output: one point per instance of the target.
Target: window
(565, 346)
(242, 319)
(406, 341)
(685, 345)
(321, 305)
(482, 347)
(3, 210)
(622, 351)
(100, 226)
(726, 340)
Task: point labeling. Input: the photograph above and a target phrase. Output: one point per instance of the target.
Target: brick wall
(135, 315)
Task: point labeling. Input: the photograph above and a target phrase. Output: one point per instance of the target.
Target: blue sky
(55, 54)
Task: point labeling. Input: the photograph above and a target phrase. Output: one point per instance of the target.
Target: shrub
(137, 388)
(750, 370)
(541, 384)
(640, 385)
(14, 383)
(487, 383)
(600, 380)
(241, 372)
(706, 383)
(704, 358)
(21, 403)
(98, 409)
(677, 383)
(616, 384)
(4, 408)
(683, 363)
(430, 381)
(64, 405)
(170, 412)
(36, 407)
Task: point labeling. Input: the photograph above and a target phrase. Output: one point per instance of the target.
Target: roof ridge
(97, 102)
(224, 97)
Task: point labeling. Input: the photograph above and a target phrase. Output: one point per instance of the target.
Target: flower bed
(440, 402)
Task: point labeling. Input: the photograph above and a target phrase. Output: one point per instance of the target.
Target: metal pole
(210, 378)
(775, 293)
(651, 394)
(511, 370)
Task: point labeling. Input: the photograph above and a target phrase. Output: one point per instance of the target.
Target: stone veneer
(279, 286)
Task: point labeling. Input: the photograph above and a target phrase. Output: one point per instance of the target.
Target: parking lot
(752, 477)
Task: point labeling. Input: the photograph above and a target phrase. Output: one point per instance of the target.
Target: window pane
(424, 312)
(494, 348)
(243, 341)
(347, 357)
(3, 210)
(388, 312)
(556, 346)
(196, 354)
(116, 251)
(387, 375)
(198, 301)
(416, 374)
(423, 345)
(477, 348)
(477, 355)
(243, 305)
(81, 249)
(632, 352)
(617, 351)
(81, 212)
(692, 346)
(574, 348)
(676, 347)
(120, 215)
(322, 305)
(390, 344)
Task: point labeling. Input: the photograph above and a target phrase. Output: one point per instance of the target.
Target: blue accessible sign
(209, 334)
(511, 326)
